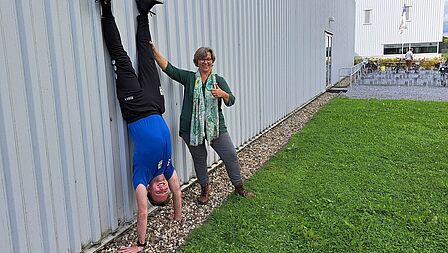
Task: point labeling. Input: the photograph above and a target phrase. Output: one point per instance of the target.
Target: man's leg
(125, 73)
(147, 70)
(148, 75)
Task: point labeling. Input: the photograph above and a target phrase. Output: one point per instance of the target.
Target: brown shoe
(239, 189)
(203, 198)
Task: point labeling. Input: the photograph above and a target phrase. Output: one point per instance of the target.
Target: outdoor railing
(352, 73)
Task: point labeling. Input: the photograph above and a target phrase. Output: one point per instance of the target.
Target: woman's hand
(161, 61)
(152, 46)
(218, 93)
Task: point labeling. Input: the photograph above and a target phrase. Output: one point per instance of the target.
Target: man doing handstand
(142, 105)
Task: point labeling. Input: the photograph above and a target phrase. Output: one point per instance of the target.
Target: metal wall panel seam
(5, 233)
(203, 21)
(239, 56)
(241, 64)
(268, 67)
(71, 97)
(262, 62)
(56, 214)
(259, 63)
(254, 76)
(184, 60)
(169, 89)
(246, 72)
(253, 72)
(32, 94)
(62, 17)
(272, 63)
(275, 40)
(28, 185)
(178, 149)
(90, 225)
(36, 94)
(212, 43)
(233, 76)
(70, 239)
(94, 117)
(171, 100)
(71, 81)
(123, 143)
(8, 158)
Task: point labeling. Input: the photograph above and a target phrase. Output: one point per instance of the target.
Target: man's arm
(174, 185)
(142, 219)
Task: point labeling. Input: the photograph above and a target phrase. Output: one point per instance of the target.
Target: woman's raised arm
(161, 61)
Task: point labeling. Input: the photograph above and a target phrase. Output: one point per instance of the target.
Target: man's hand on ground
(130, 249)
(175, 217)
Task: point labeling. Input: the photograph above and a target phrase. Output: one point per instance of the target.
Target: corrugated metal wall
(425, 25)
(65, 156)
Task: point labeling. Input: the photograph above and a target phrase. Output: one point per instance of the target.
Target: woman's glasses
(205, 60)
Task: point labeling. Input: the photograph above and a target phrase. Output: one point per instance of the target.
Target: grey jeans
(226, 150)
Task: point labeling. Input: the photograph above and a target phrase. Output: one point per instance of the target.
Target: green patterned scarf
(204, 118)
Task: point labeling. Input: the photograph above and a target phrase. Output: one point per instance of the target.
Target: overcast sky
(445, 19)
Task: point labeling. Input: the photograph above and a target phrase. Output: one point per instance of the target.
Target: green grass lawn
(363, 176)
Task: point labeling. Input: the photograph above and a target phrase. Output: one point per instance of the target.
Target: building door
(328, 57)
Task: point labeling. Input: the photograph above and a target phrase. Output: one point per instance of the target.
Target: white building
(65, 167)
(378, 23)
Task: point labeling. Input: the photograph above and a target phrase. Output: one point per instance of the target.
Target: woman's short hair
(201, 53)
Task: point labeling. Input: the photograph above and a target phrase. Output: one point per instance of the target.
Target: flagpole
(402, 28)
(402, 45)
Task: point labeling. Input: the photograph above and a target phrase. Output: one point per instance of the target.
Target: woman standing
(201, 117)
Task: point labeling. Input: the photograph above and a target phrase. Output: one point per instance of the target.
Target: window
(419, 48)
(367, 17)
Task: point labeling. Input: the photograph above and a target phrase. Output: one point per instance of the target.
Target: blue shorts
(152, 149)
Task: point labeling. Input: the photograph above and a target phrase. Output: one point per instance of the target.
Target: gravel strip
(166, 236)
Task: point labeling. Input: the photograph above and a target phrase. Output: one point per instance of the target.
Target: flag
(403, 20)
